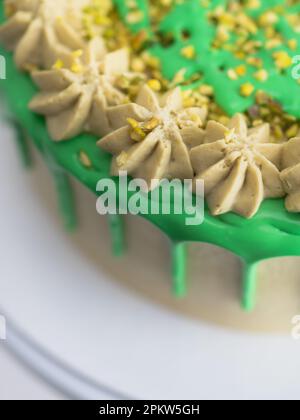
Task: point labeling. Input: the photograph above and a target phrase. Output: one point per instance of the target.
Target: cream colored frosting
(239, 166)
(290, 175)
(79, 100)
(41, 31)
(153, 137)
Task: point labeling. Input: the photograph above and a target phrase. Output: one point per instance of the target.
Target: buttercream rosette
(153, 137)
(78, 99)
(239, 166)
(290, 174)
(41, 31)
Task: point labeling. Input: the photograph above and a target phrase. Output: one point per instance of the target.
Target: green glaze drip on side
(249, 286)
(179, 269)
(22, 144)
(64, 190)
(116, 224)
(65, 198)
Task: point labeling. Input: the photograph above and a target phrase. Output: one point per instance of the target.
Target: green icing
(191, 17)
(179, 268)
(117, 235)
(124, 10)
(272, 232)
(249, 286)
(22, 143)
(65, 198)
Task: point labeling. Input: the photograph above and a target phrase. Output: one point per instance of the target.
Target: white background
(19, 382)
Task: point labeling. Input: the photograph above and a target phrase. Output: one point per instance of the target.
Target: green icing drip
(22, 144)
(272, 232)
(64, 190)
(179, 269)
(116, 224)
(65, 199)
(249, 286)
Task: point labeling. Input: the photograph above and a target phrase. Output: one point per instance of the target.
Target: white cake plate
(93, 339)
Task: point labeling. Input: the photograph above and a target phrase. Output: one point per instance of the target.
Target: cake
(199, 91)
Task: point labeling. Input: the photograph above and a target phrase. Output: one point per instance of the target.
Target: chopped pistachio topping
(84, 159)
(247, 89)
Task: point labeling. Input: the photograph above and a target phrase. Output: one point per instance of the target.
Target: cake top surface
(228, 57)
